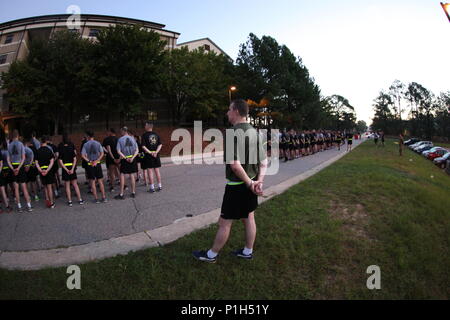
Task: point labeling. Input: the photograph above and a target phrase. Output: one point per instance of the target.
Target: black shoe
(151, 190)
(240, 254)
(133, 195)
(70, 203)
(203, 256)
(159, 189)
(119, 197)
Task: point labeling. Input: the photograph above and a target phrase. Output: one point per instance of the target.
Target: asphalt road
(187, 190)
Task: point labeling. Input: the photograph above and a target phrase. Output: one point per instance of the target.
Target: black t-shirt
(44, 155)
(112, 142)
(66, 152)
(151, 140)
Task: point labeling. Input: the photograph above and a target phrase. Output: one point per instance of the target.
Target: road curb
(52, 258)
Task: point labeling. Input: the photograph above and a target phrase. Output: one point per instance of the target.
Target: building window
(3, 58)
(207, 47)
(9, 38)
(94, 33)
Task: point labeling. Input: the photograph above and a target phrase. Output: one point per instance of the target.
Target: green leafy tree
(128, 66)
(195, 84)
(45, 85)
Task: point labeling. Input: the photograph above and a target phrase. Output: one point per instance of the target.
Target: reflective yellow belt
(4, 168)
(68, 164)
(128, 157)
(15, 163)
(44, 167)
(233, 183)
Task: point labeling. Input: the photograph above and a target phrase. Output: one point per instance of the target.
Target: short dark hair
(15, 133)
(44, 139)
(149, 123)
(90, 134)
(112, 130)
(124, 129)
(65, 138)
(241, 106)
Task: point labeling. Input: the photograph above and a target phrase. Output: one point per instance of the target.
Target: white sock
(247, 251)
(29, 205)
(211, 254)
(152, 186)
(19, 205)
(159, 185)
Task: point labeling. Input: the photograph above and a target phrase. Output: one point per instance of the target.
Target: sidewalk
(154, 223)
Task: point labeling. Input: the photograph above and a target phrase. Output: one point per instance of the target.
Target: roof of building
(187, 42)
(83, 17)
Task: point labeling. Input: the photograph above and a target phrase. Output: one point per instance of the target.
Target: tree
(397, 92)
(45, 85)
(128, 65)
(270, 72)
(195, 84)
(361, 126)
(384, 118)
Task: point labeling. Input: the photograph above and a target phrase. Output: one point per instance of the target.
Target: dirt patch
(354, 219)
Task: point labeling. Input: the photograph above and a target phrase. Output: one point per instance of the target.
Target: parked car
(417, 144)
(436, 154)
(411, 141)
(423, 148)
(427, 152)
(442, 161)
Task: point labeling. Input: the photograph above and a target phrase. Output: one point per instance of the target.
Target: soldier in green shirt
(246, 165)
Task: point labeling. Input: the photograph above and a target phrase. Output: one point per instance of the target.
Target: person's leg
(158, 177)
(101, 185)
(49, 191)
(4, 197)
(68, 193)
(26, 194)
(94, 189)
(222, 235)
(133, 182)
(250, 230)
(16, 193)
(150, 176)
(122, 183)
(76, 188)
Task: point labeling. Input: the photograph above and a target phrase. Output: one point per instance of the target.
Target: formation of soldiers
(29, 166)
(295, 144)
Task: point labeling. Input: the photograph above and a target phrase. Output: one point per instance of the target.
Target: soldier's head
(237, 111)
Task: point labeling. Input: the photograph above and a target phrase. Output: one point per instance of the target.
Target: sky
(351, 48)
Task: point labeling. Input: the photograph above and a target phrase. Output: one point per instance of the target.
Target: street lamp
(446, 7)
(232, 88)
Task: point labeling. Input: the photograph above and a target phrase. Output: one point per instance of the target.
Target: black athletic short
(127, 167)
(21, 176)
(32, 174)
(350, 141)
(94, 172)
(48, 179)
(238, 202)
(109, 161)
(69, 177)
(3, 178)
(150, 162)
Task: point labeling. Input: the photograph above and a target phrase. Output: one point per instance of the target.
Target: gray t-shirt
(36, 143)
(127, 145)
(92, 150)
(5, 155)
(29, 156)
(16, 150)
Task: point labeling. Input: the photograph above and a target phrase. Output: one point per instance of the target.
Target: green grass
(315, 241)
